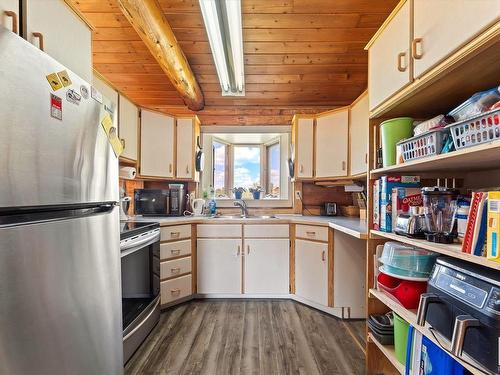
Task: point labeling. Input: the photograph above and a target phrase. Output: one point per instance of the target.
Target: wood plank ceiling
(301, 56)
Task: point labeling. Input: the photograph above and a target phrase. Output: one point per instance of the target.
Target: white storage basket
(476, 130)
(424, 145)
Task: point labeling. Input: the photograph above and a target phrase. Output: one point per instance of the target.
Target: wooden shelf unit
(459, 76)
(389, 352)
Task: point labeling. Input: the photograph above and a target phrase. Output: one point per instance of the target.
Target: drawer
(219, 230)
(267, 231)
(311, 232)
(175, 249)
(176, 267)
(175, 289)
(175, 232)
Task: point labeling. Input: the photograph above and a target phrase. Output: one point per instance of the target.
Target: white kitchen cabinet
(157, 145)
(105, 89)
(441, 27)
(311, 271)
(266, 266)
(54, 27)
(332, 143)
(358, 128)
(389, 58)
(187, 131)
(10, 20)
(219, 266)
(127, 127)
(304, 147)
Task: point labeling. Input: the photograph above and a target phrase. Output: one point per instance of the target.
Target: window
(248, 161)
(273, 170)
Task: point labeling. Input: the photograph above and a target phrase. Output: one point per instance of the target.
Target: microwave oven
(160, 202)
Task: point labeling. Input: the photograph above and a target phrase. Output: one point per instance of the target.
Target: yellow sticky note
(54, 81)
(115, 142)
(64, 77)
(107, 123)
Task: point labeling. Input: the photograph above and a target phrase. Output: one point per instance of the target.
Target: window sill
(256, 203)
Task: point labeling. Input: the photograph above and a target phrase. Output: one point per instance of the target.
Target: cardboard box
(493, 226)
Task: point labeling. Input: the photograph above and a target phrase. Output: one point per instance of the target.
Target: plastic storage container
(425, 145)
(476, 130)
(400, 338)
(407, 258)
(406, 292)
(392, 131)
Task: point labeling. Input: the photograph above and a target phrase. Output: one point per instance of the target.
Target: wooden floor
(247, 337)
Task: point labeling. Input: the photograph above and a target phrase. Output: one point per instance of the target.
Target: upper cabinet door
(52, 24)
(304, 141)
(186, 134)
(9, 15)
(359, 125)
(106, 90)
(443, 26)
(389, 58)
(157, 145)
(332, 144)
(127, 128)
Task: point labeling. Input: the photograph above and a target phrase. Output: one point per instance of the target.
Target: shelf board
(452, 250)
(411, 317)
(388, 351)
(470, 159)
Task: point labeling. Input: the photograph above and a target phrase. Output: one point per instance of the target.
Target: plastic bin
(400, 338)
(406, 292)
(476, 130)
(424, 145)
(407, 257)
(392, 131)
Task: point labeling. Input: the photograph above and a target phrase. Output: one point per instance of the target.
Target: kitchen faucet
(244, 209)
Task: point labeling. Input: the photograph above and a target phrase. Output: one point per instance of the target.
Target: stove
(132, 228)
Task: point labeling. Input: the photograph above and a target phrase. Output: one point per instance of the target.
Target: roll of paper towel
(127, 172)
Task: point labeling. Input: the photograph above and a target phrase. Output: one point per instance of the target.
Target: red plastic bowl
(405, 291)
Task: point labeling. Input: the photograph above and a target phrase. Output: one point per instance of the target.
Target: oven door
(140, 270)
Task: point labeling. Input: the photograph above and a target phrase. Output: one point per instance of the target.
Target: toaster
(410, 225)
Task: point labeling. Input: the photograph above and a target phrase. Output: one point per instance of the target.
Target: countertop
(349, 225)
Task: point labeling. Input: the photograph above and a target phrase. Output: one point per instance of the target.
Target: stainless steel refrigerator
(60, 293)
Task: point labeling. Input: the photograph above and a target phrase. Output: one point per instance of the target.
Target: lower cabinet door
(219, 266)
(266, 266)
(311, 271)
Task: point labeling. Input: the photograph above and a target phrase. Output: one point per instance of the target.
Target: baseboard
(242, 296)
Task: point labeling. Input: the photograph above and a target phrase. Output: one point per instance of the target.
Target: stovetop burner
(132, 228)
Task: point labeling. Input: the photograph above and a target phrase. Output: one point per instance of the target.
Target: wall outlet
(298, 195)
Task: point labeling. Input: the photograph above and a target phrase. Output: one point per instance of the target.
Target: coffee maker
(177, 200)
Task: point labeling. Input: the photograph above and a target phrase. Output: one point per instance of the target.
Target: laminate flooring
(264, 337)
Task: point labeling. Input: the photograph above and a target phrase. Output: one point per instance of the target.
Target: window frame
(267, 169)
(227, 169)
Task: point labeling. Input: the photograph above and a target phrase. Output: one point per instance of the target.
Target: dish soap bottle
(212, 205)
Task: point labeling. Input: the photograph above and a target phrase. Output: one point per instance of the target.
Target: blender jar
(439, 212)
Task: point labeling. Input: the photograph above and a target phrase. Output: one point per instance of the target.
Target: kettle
(198, 205)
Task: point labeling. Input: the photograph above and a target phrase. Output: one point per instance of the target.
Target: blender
(440, 204)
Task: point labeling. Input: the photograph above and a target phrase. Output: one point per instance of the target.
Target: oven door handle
(143, 321)
(139, 244)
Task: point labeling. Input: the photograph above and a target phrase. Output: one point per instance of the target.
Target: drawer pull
(323, 255)
(12, 14)
(40, 39)
(175, 252)
(311, 233)
(401, 56)
(414, 47)
(176, 291)
(175, 234)
(175, 270)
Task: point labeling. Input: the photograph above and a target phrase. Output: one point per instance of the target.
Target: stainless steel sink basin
(240, 217)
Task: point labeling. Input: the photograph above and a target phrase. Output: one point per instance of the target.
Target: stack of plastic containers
(404, 272)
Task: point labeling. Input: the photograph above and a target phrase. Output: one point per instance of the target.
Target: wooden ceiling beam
(149, 22)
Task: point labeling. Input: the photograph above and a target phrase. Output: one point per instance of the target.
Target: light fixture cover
(225, 33)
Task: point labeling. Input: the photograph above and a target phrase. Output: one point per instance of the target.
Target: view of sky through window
(246, 166)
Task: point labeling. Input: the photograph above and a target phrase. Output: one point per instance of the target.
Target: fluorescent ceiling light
(223, 24)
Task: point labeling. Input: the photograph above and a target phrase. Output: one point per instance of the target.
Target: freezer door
(45, 160)
(60, 297)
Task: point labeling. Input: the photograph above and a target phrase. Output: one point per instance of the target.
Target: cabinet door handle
(414, 47)
(401, 55)
(187, 169)
(343, 165)
(239, 251)
(366, 158)
(12, 14)
(301, 168)
(38, 35)
(122, 140)
(248, 249)
(175, 270)
(323, 255)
